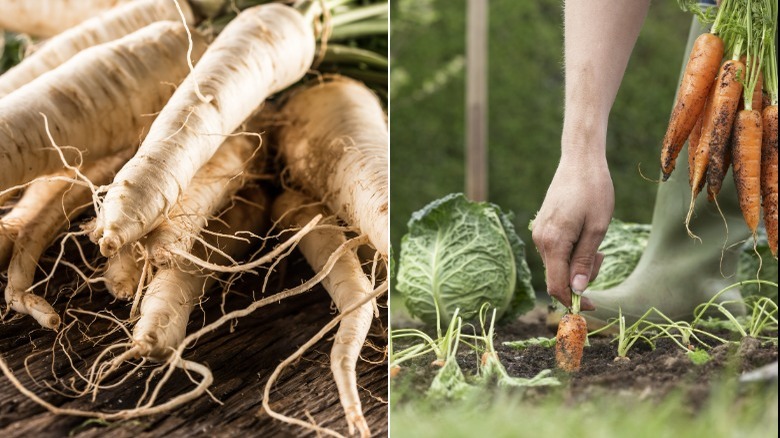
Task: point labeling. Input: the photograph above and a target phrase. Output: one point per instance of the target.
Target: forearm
(599, 37)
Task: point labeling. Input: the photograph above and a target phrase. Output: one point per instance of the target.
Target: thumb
(582, 262)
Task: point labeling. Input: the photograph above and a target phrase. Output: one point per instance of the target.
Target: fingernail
(579, 283)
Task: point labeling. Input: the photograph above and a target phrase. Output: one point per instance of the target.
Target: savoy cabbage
(460, 254)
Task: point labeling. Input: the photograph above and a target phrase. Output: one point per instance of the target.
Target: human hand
(572, 223)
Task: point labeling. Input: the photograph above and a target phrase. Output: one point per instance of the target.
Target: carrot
(746, 156)
(44, 18)
(693, 145)
(718, 132)
(347, 285)
(769, 174)
(758, 95)
(699, 158)
(716, 128)
(570, 341)
(757, 105)
(66, 203)
(99, 100)
(335, 146)
(262, 51)
(697, 80)
(108, 26)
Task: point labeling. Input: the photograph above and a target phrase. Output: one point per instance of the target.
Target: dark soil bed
(647, 374)
(241, 357)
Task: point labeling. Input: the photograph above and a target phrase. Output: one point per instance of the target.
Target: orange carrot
(693, 144)
(746, 156)
(758, 103)
(758, 94)
(769, 175)
(700, 158)
(702, 67)
(727, 98)
(570, 342)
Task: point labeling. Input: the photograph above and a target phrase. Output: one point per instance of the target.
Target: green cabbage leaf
(460, 254)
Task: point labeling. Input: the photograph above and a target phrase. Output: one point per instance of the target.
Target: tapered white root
(122, 274)
(112, 24)
(302, 349)
(347, 285)
(211, 190)
(80, 99)
(335, 144)
(66, 202)
(38, 196)
(172, 294)
(45, 18)
(264, 50)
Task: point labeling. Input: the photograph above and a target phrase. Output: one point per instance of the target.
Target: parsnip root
(335, 144)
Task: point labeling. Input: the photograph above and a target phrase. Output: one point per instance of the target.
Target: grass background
(525, 107)
(730, 411)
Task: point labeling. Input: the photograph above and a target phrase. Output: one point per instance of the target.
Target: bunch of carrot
(174, 212)
(725, 116)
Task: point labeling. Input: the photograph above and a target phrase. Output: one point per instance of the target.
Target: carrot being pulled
(571, 337)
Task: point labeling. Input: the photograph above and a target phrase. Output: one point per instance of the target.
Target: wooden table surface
(241, 358)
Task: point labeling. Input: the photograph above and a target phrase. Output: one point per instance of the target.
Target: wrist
(584, 136)
(583, 147)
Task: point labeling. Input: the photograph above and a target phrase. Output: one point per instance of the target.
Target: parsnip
(334, 141)
(108, 26)
(264, 50)
(100, 101)
(65, 204)
(36, 197)
(44, 18)
(173, 292)
(123, 274)
(210, 191)
(347, 285)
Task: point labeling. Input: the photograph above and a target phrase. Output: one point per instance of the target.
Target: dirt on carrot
(697, 80)
(747, 165)
(570, 342)
(769, 174)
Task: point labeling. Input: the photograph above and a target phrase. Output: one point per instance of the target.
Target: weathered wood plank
(241, 360)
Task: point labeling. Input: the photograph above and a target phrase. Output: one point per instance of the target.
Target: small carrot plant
(760, 318)
(490, 366)
(449, 382)
(697, 336)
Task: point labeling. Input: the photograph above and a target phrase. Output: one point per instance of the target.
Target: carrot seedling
(491, 369)
(449, 382)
